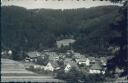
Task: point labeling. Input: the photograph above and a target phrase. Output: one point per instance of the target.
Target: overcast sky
(54, 4)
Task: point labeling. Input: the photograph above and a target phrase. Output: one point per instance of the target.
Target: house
(93, 60)
(42, 55)
(70, 52)
(52, 66)
(62, 55)
(96, 69)
(81, 59)
(53, 56)
(85, 61)
(68, 63)
(50, 53)
(6, 52)
(32, 56)
(103, 61)
(118, 72)
(78, 55)
(67, 67)
(64, 42)
(27, 59)
(114, 49)
(3, 52)
(10, 52)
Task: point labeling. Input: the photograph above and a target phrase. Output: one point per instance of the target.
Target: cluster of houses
(6, 53)
(92, 65)
(70, 59)
(66, 61)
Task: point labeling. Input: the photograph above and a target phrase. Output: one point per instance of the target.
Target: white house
(85, 61)
(2, 53)
(103, 61)
(6, 52)
(96, 69)
(69, 64)
(67, 68)
(27, 59)
(10, 52)
(51, 66)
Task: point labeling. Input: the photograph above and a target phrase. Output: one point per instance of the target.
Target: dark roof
(72, 63)
(78, 55)
(54, 64)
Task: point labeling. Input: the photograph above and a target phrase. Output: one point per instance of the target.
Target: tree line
(38, 29)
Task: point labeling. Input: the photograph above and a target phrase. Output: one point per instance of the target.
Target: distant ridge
(39, 29)
(56, 4)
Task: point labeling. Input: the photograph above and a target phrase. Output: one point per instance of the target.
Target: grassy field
(13, 71)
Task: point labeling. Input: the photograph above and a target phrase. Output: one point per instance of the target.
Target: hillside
(39, 29)
(13, 71)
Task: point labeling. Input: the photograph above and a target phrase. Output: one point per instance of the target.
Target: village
(61, 41)
(53, 61)
(92, 65)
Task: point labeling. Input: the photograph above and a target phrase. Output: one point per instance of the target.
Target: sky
(55, 4)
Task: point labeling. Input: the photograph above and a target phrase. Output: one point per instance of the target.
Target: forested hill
(40, 28)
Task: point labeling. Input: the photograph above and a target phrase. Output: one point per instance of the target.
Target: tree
(73, 76)
(121, 59)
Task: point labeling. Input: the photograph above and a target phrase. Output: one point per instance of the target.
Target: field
(13, 71)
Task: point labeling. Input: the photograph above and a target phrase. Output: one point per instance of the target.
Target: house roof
(96, 66)
(54, 64)
(78, 55)
(103, 59)
(53, 55)
(118, 70)
(94, 59)
(91, 58)
(82, 60)
(69, 61)
(33, 54)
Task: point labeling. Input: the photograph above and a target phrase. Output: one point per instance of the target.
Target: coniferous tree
(121, 58)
